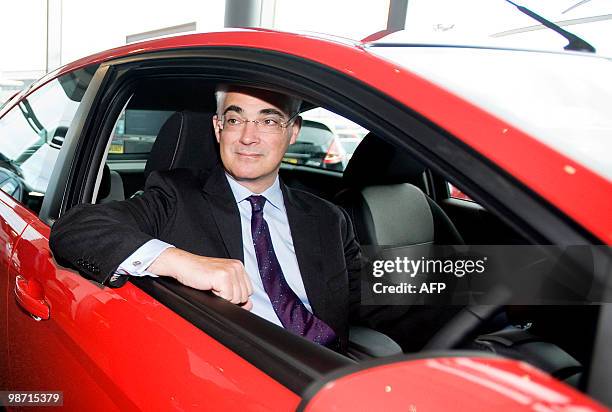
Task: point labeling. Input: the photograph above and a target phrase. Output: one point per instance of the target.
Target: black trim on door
(289, 359)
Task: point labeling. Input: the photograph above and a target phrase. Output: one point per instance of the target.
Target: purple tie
(290, 310)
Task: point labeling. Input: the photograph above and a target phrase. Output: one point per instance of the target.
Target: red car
(522, 133)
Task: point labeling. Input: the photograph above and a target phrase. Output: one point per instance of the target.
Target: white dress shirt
(276, 217)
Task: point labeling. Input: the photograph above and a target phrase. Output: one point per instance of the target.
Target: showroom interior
(52, 33)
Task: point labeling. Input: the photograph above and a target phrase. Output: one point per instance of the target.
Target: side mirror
(59, 134)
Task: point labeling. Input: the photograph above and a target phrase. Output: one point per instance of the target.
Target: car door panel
(109, 347)
(43, 355)
(12, 224)
(323, 183)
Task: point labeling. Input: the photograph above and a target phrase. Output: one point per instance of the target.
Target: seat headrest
(186, 140)
(105, 183)
(377, 162)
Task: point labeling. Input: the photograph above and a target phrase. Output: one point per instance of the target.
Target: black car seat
(185, 140)
(111, 186)
(385, 200)
(384, 197)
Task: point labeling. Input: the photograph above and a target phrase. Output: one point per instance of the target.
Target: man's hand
(224, 277)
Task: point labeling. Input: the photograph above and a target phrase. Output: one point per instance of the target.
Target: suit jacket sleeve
(95, 239)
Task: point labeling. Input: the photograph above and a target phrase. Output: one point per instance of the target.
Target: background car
(317, 145)
(481, 119)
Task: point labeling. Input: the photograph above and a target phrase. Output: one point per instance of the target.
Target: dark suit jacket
(200, 215)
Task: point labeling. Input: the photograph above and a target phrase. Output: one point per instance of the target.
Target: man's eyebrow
(272, 111)
(233, 108)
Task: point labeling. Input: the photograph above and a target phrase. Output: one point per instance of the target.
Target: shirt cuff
(139, 261)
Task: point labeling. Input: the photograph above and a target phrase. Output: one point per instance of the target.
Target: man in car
(238, 231)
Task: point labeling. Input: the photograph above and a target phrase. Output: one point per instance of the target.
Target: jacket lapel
(225, 212)
(305, 232)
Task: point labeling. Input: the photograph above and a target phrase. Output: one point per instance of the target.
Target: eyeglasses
(265, 124)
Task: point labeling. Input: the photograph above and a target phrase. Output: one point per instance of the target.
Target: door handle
(31, 297)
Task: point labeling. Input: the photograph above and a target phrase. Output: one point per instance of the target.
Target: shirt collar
(273, 194)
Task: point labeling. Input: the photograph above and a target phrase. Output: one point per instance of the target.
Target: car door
(117, 349)
(12, 224)
(20, 132)
(31, 134)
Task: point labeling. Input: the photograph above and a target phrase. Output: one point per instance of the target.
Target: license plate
(116, 148)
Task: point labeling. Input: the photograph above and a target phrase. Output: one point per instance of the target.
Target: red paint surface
(13, 222)
(119, 349)
(450, 384)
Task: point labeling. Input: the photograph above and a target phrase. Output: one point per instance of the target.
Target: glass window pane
(9, 186)
(456, 193)
(31, 134)
(136, 131)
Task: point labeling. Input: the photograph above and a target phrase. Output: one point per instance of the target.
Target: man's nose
(249, 133)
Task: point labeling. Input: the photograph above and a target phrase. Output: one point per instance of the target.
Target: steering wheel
(468, 320)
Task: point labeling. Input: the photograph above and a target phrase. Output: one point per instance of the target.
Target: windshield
(561, 99)
(32, 132)
(500, 24)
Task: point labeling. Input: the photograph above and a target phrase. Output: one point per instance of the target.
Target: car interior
(392, 199)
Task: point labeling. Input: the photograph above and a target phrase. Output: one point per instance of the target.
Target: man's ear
(215, 121)
(295, 129)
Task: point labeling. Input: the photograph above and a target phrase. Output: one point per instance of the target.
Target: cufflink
(136, 263)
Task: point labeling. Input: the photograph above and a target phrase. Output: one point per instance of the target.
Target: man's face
(252, 153)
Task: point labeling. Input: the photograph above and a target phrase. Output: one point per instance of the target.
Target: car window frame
(62, 174)
(424, 136)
